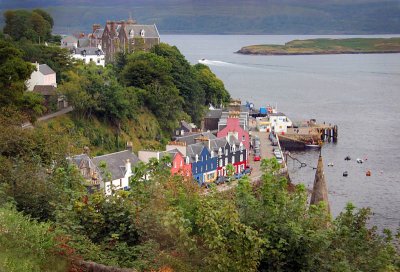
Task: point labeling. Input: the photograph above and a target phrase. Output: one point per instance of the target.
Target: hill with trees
(228, 17)
(49, 221)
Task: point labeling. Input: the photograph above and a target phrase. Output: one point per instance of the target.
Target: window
(120, 182)
(181, 163)
(131, 34)
(233, 159)
(241, 157)
(226, 151)
(220, 162)
(226, 161)
(206, 167)
(98, 60)
(243, 138)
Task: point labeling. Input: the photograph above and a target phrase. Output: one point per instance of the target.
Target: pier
(300, 137)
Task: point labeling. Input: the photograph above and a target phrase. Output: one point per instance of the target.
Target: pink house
(43, 76)
(233, 128)
(180, 164)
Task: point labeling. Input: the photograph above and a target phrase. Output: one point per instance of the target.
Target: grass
(327, 46)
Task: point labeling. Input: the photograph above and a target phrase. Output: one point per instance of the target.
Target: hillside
(326, 46)
(228, 17)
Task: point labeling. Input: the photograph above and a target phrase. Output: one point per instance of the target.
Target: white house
(43, 75)
(109, 172)
(279, 122)
(88, 54)
(118, 169)
(69, 42)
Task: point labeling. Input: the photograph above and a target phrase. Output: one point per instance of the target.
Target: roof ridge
(113, 154)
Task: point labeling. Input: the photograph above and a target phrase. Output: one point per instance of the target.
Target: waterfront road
(266, 149)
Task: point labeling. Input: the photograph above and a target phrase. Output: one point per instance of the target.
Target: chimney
(128, 168)
(95, 27)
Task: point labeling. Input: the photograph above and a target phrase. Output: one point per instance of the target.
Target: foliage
(215, 92)
(33, 25)
(58, 59)
(26, 245)
(95, 90)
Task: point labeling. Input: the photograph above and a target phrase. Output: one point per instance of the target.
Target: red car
(257, 157)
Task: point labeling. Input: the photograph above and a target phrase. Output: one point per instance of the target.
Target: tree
(143, 69)
(215, 92)
(14, 71)
(185, 80)
(35, 26)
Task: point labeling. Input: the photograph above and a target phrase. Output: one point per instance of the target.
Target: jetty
(308, 135)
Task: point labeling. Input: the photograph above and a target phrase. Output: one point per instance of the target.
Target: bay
(360, 93)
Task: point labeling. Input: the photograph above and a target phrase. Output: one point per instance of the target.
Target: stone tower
(320, 191)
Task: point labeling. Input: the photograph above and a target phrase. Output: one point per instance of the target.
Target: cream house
(43, 75)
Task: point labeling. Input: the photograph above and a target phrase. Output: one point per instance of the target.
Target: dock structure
(299, 138)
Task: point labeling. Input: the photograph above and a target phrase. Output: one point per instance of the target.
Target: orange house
(180, 165)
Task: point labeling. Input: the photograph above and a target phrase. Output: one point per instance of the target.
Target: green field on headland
(326, 46)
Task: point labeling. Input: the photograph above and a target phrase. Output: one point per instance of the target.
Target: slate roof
(98, 33)
(89, 50)
(83, 42)
(193, 150)
(215, 144)
(80, 160)
(216, 113)
(150, 31)
(172, 153)
(45, 89)
(69, 39)
(190, 139)
(45, 69)
(116, 162)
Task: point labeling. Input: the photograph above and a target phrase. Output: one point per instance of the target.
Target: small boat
(330, 164)
(312, 146)
(368, 173)
(347, 158)
(345, 174)
(360, 161)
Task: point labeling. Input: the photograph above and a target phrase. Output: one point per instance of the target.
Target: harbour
(359, 93)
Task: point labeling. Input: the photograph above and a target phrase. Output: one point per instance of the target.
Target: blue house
(204, 162)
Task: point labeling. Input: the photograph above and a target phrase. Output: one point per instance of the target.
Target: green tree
(215, 92)
(14, 71)
(185, 79)
(143, 69)
(33, 26)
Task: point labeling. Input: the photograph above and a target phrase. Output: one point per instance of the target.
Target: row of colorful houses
(200, 156)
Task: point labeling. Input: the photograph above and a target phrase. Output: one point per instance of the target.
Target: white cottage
(43, 75)
(279, 122)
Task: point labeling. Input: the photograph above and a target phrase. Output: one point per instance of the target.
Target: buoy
(345, 174)
(368, 174)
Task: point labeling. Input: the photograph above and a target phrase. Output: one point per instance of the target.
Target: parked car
(220, 180)
(239, 175)
(247, 170)
(257, 157)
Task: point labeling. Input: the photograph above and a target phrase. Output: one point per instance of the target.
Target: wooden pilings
(328, 133)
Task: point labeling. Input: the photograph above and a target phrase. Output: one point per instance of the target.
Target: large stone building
(127, 36)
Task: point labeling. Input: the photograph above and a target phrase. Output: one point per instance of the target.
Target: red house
(233, 128)
(180, 165)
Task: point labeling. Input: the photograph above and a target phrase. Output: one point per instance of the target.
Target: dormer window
(131, 34)
(197, 158)
(212, 153)
(142, 33)
(226, 151)
(187, 160)
(220, 151)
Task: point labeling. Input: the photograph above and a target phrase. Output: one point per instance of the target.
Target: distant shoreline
(325, 46)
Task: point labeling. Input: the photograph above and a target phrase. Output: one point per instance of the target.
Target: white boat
(312, 146)
(360, 161)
